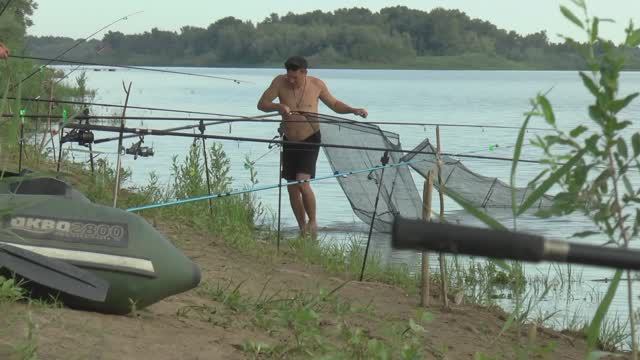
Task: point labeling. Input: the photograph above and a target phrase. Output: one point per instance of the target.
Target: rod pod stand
(384, 160)
(21, 142)
(202, 128)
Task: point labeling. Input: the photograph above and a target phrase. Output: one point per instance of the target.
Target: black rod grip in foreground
(457, 239)
(423, 236)
(617, 258)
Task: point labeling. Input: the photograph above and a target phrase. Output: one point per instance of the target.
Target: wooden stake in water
(443, 261)
(119, 163)
(427, 195)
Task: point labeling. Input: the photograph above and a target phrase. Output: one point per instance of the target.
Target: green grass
(308, 324)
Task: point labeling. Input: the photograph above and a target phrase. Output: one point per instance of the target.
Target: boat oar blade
(53, 273)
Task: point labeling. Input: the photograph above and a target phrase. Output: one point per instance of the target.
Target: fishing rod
(457, 239)
(336, 174)
(240, 118)
(131, 107)
(148, 132)
(49, 61)
(80, 63)
(6, 5)
(322, 119)
(187, 127)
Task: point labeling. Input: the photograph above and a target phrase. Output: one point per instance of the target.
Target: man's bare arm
(266, 103)
(4, 51)
(337, 105)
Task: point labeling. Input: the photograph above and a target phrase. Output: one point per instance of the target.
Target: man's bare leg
(297, 205)
(309, 202)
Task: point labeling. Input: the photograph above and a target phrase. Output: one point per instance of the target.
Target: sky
(80, 18)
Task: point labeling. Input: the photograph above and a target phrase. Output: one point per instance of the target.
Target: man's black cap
(295, 63)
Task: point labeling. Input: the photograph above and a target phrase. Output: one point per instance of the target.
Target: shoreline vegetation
(303, 301)
(256, 303)
(356, 38)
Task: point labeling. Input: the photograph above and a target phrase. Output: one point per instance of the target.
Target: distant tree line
(394, 37)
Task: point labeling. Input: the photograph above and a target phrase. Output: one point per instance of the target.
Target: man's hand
(361, 112)
(284, 110)
(4, 51)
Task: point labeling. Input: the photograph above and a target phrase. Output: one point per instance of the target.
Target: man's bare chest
(302, 99)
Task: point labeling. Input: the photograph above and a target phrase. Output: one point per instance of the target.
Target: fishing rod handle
(427, 236)
(612, 257)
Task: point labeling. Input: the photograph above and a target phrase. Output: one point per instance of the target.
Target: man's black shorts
(300, 158)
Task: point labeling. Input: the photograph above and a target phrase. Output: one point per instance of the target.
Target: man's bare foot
(303, 230)
(312, 229)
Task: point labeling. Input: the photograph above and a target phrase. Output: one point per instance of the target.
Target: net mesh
(398, 193)
(481, 191)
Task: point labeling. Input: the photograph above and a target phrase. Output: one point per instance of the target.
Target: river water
(444, 97)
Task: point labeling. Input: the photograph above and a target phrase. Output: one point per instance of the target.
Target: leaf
(578, 131)
(596, 114)
(635, 143)
(590, 84)
(633, 39)
(627, 185)
(584, 234)
(514, 164)
(620, 104)
(622, 148)
(569, 15)
(546, 109)
(594, 29)
(636, 224)
(594, 328)
(538, 177)
(580, 3)
(549, 182)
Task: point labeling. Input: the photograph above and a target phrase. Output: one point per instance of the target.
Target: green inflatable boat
(93, 257)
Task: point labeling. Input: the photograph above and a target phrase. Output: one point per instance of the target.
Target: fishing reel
(136, 149)
(82, 137)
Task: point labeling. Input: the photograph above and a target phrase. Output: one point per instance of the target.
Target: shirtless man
(4, 51)
(298, 92)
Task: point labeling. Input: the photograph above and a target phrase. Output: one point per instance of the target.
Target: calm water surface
(444, 97)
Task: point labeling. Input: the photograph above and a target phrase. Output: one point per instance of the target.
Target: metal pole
(119, 163)
(279, 200)
(384, 160)
(53, 141)
(21, 144)
(59, 147)
(201, 127)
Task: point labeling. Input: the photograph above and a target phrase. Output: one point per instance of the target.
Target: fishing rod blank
(187, 127)
(320, 119)
(419, 235)
(57, 58)
(66, 61)
(269, 187)
(69, 102)
(6, 5)
(148, 132)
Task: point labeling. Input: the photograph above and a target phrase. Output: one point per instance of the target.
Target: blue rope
(268, 187)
